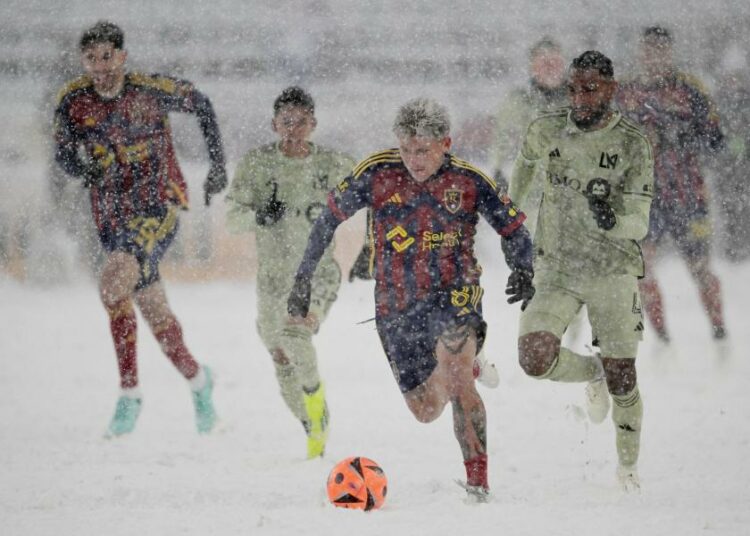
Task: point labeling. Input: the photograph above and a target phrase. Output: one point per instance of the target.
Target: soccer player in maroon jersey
(681, 123)
(425, 204)
(112, 130)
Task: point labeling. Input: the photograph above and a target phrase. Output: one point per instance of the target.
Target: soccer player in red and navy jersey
(425, 204)
(112, 130)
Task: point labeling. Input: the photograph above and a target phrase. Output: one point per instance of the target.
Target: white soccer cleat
(627, 476)
(485, 372)
(597, 400)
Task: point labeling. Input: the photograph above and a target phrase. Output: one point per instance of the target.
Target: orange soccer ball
(357, 482)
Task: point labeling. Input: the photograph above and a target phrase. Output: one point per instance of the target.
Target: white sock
(198, 381)
(131, 392)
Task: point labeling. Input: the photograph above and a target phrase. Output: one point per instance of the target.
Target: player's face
(294, 124)
(590, 95)
(423, 156)
(106, 66)
(548, 68)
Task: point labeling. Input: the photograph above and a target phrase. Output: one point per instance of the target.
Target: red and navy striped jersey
(680, 121)
(130, 137)
(422, 234)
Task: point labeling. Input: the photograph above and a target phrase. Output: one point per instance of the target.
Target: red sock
(476, 471)
(170, 339)
(710, 290)
(122, 324)
(652, 302)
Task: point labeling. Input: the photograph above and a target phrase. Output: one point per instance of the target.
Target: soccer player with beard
(425, 204)
(112, 131)
(598, 186)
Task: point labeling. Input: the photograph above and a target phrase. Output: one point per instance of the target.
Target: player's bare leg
(118, 278)
(152, 302)
(453, 380)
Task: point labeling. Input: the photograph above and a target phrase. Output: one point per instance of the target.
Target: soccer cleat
(597, 400)
(316, 424)
(485, 372)
(627, 476)
(126, 413)
(205, 415)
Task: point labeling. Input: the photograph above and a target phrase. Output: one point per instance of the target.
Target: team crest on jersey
(452, 199)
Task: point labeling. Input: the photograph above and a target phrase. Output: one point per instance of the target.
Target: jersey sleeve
(241, 198)
(66, 143)
(344, 200)
(181, 96)
(507, 220)
(525, 166)
(638, 191)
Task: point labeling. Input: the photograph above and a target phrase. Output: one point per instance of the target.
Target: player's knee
(537, 352)
(621, 375)
(279, 357)
(425, 404)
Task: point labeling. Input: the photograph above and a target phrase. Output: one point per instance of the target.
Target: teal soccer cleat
(205, 415)
(126, 413)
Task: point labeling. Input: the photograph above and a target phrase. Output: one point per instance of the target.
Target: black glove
(93, 174)
(272, 211)
(520, 287)
(361, 267)
(603, 214)
(215, 182)
(298, 303)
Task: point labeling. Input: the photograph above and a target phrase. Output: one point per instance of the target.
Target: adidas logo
(555, 153)
(395, 199)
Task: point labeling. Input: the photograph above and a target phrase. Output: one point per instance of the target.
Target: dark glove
(272, 211)
(520, 287)
(603, 214)
(215, 182)
(597, 192)
(298, 303)
(361, 267)
(93, 175)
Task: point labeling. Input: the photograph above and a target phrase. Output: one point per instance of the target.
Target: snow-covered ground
(551, 472)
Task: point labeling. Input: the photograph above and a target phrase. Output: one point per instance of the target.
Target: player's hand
(272, 211)
(298, 304)
(215, 182)
(361, 267)
(93, 174)
(604, 215)
(520, 287)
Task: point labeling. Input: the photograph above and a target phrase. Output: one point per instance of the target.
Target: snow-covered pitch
(551, 472)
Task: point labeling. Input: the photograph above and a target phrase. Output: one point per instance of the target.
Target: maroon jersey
(130, 138)
(680, 121)
(422, 234)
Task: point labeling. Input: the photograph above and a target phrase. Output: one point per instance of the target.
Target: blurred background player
(425, 205)
(112, 131)
(597, 196)
(546, 91)
(679, 119)
(278, 191)
(732, 178)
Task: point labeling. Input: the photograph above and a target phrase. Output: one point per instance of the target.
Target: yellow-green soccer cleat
(316, 425)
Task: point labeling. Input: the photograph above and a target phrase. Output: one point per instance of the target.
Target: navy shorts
(147, 239)
(410, 336)
(690, 230)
